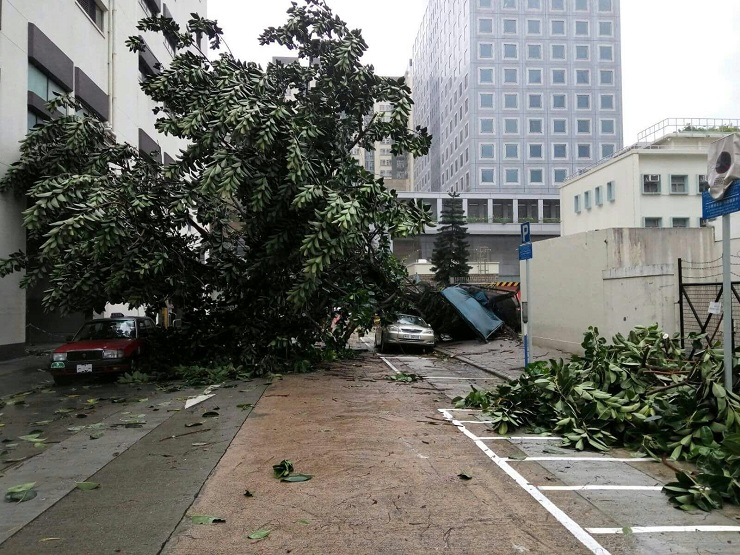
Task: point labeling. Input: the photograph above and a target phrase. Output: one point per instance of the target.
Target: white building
(653, 183)
(73, 46)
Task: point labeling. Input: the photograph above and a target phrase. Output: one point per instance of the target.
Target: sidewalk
(501, 357)
(385, 477)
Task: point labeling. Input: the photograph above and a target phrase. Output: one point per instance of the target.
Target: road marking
(388, 362)
(600, 488)
(584, 459)
(531, 438)
(662, 529)
(573, 527)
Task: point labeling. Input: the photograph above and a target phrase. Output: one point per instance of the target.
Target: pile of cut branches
(639, 392)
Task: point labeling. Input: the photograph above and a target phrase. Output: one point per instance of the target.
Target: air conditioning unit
(723, 164)
(652, 178)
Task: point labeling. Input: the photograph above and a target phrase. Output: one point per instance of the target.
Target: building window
(587, 200)
(557, 52)
(653, 222)
(606, 77)
(534, 4)
(550, 211)
(560, 150)
(487, 176)
(558, 101)
(582, 52)
(583, 101)
(535, 101)
(534, 76)
(608, 150)
(559, 175)
(557, 5)
(511, 75)
(534, 27)
(535, 177)
(511, 151)
(528, 211)
(598, 196)
(583, 126)
(535, 151)
(605, 28)
(511, 52)
(558, 77)
(610, 191)
(584, 151)
(535, 126)
(651, 184)
(94, 12)
(34, 120)
(679, 222)
(510, 4)
(607, 126)
(486, 125)
(486, 100)
(512, 176)
(43, 86)
(485, 76)
(510, 26)
(485, 50)
(484, 3)
(559, 126)
(582, 5)
(607, 101)
(534, 51)
(583, 76)
(577, 204)
(605, 5)
(511, 125)
(701, 182)
(679, 184)
(557, 27)
(606, 53)
(485, 25)
(511, 101)
(581, 28)
(487, 151)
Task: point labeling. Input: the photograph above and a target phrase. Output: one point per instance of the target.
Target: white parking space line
(457, 378)
(527, 438)
(584, 459)
(600, 488)
(390, 365)
(571, 525)
(662, 529)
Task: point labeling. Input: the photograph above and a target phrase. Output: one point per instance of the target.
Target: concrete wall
(614, 279)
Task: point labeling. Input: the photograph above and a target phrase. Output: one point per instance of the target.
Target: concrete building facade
(71, 46)
(653, 183)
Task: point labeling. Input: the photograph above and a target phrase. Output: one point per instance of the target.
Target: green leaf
(209, 414)
(296, 478)
(260, 534)
(283, 468)
(20, 488)
(206, 519)
(86, 486)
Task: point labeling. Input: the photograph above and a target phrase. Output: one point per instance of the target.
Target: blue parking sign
(526, 235)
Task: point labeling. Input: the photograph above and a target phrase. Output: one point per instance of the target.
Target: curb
(466, 360)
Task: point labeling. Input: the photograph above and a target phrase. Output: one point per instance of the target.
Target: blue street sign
(729, 203)
(525, 251)
(526, 235)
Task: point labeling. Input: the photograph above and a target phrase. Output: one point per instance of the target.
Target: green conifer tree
(450, 255)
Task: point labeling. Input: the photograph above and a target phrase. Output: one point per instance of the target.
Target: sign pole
(727, 301)
(525, 254)
(527, 338)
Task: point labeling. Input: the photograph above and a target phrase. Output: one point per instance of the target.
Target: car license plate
(410, 336)
(84, 368)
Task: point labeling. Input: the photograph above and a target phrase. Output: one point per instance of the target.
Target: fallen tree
(263, 226)
(639, 392)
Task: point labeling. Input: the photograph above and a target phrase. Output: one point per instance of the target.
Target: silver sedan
(405, 330)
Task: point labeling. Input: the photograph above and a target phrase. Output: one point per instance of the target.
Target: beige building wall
(614, 279)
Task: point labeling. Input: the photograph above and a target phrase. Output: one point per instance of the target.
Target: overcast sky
(680, 58)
